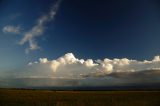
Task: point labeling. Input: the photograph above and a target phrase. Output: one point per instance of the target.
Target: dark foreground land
(12, 97)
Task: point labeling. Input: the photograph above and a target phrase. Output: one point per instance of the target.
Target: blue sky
(55, 33)
(89, 29)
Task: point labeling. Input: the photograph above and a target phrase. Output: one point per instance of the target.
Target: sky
(96, 36)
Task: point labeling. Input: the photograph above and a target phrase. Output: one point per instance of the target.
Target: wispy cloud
(38, 29)
(11, 29)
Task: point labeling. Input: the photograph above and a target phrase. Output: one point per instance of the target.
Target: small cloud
(32, 46)
(11, 29)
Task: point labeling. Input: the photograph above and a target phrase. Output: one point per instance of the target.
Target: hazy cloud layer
(11, 29)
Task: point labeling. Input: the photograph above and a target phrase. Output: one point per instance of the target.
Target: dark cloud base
(76, 84)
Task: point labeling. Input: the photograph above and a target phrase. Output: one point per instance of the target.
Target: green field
(13, 97)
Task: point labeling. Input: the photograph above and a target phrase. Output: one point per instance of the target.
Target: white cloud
(70, 66)
(38, 29)
(68, 70)
(156, 58)
(11, 29)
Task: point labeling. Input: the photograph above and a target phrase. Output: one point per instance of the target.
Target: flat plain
(17, 97)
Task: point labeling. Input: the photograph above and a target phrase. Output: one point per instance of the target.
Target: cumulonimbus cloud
(11, 29)
(38, 29)
(70, 66)
(68, 70)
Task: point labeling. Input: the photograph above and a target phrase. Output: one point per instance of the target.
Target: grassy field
(12, 97)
